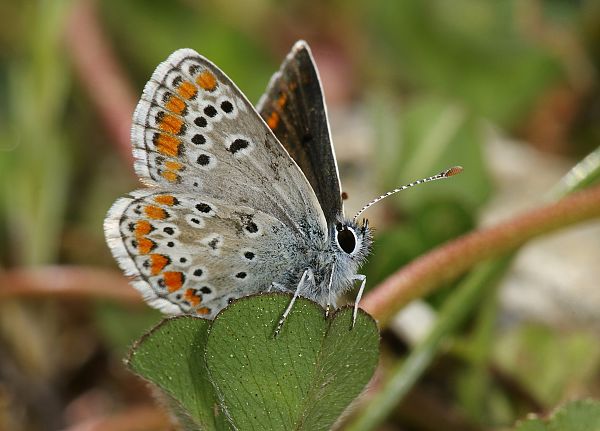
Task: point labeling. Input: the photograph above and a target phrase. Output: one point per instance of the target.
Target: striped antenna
(455, 170)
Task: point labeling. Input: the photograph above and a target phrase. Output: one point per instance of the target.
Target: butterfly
(238, 200)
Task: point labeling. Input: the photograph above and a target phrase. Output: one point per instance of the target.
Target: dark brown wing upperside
(294, 108)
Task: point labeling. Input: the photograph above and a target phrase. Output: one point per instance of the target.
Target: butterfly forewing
(195, 131)
(192, 254)
(294, 108)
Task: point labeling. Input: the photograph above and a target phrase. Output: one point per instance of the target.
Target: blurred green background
(412, 87)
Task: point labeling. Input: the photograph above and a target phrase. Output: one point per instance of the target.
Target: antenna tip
(454, 170)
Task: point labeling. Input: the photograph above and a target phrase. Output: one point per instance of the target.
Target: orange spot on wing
(155, 212)
(145, 245)
(171, 164)
(158, 263)
(175, 105)
(273, 120)
(282, 100)
(187, 90)
(167, 145)
(171, 124)
(207, 81)
(173, 280)
(170, 176)
(142, 228)
(166, 200)
(203, 310)
(192, 297)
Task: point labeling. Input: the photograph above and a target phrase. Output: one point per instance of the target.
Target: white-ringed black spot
(169, 230)
(194, 220)
(200, 122)
(203, 208)
(198, 272)
(199, 139)
(210, 111)
(241, 275)
(249, 255)
(205, 289)
(227, 107)
(238, 145)
(170, 244)
(203, 159)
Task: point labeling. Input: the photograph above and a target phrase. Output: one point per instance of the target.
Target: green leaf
(580, 415)
(533, 424)
(304, 378)
(171, 356)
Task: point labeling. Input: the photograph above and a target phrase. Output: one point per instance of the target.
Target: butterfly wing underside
(193, 255)
(294, 108)
(198, 143)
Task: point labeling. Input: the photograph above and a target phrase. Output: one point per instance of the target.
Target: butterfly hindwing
(191, 254)
(294, 108)
(195, 131)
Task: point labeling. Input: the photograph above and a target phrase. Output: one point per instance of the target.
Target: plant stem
(102, 76)
(62, 281)
(454, 258)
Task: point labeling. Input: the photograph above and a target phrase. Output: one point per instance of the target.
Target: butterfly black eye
(346, 239)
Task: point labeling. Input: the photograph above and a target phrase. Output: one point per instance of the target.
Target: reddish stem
(142, 418)
(454, 258)
(101, 75)
(67, 281)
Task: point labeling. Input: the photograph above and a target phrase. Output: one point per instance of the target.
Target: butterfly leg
(307, 274)
(328, 308)
(363, 280)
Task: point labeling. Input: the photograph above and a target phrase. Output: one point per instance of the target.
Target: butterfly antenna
(455, 170)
